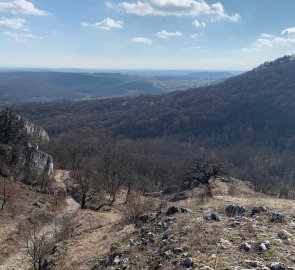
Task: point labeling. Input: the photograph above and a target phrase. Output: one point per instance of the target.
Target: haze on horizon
(145, 34)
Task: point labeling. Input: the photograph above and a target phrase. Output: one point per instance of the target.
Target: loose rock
(282, 234)
(277, 217)
(277, 266)
(234, 210)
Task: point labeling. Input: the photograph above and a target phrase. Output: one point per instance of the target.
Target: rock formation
(19, 153)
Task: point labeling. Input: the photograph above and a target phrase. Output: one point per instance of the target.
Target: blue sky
(145, 34)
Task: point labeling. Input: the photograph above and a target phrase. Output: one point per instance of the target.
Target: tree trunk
(128, 192)
(83, 201)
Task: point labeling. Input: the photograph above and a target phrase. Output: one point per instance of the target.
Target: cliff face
(19, 153)
(16, 130)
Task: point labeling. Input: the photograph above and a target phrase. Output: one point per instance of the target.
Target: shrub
(136, 207)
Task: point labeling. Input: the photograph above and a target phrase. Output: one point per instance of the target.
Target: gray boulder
(246, 246)
(258, 210)
(188, 262)
(277, 266)
(277, 217)
(214, 217)
(282, 234)
(235, 210)
(263, 247)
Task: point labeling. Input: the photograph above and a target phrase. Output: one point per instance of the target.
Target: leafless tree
(114, 171)
(86, 183)
(37, 246)
(205, 168)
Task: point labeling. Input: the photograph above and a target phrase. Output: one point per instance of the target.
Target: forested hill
(256, 108)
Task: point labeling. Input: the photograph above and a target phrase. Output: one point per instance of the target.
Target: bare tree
(37, 246)
(205, 168)
(114, 171)
(86, 186)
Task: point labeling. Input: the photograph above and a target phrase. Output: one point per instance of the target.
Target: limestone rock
(277, 266)
(234, 210)
(20, 129)
(282, 234)
(277, 217)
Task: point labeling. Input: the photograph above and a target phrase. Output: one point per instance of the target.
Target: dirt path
(19, 260)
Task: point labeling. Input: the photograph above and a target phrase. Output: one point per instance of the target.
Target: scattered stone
(224, 244)
(277, 217)
(38, 204)
(185, 210)
(169, 190)
(206, 268)
(277, 266)
(233, 222)
(282, 234)
(234, 210)
(172, 210)
(263, 247)
(165, 254)
(187, 262)
(214, 216)
(178, 250)
(246, 246)
(254, 264)
(258, 210)
(179, 197)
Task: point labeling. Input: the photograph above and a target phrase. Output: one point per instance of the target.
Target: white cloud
(22, 7)
(195, 35)
(219, 13)
(20, 37)
(198, 24)
(266, 41)
(143, 40)
(177, 8)
(106, 24)
(289, 31)
(109, 5)
(14, 23)
(165, 34)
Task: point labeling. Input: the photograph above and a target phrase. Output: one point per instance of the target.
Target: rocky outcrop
(19, 153)
(17, 130)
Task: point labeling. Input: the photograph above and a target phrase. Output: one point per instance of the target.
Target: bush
(136, 207)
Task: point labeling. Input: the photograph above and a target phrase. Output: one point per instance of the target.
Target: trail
(20, 260)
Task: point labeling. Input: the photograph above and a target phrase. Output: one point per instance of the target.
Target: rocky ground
(243, 230)
(236, 229)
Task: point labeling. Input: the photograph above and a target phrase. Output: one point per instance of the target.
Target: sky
(145, 34)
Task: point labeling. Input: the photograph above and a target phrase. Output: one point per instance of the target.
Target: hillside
(254, 108)
(246, 120)
(203, 237)
(42, 86)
